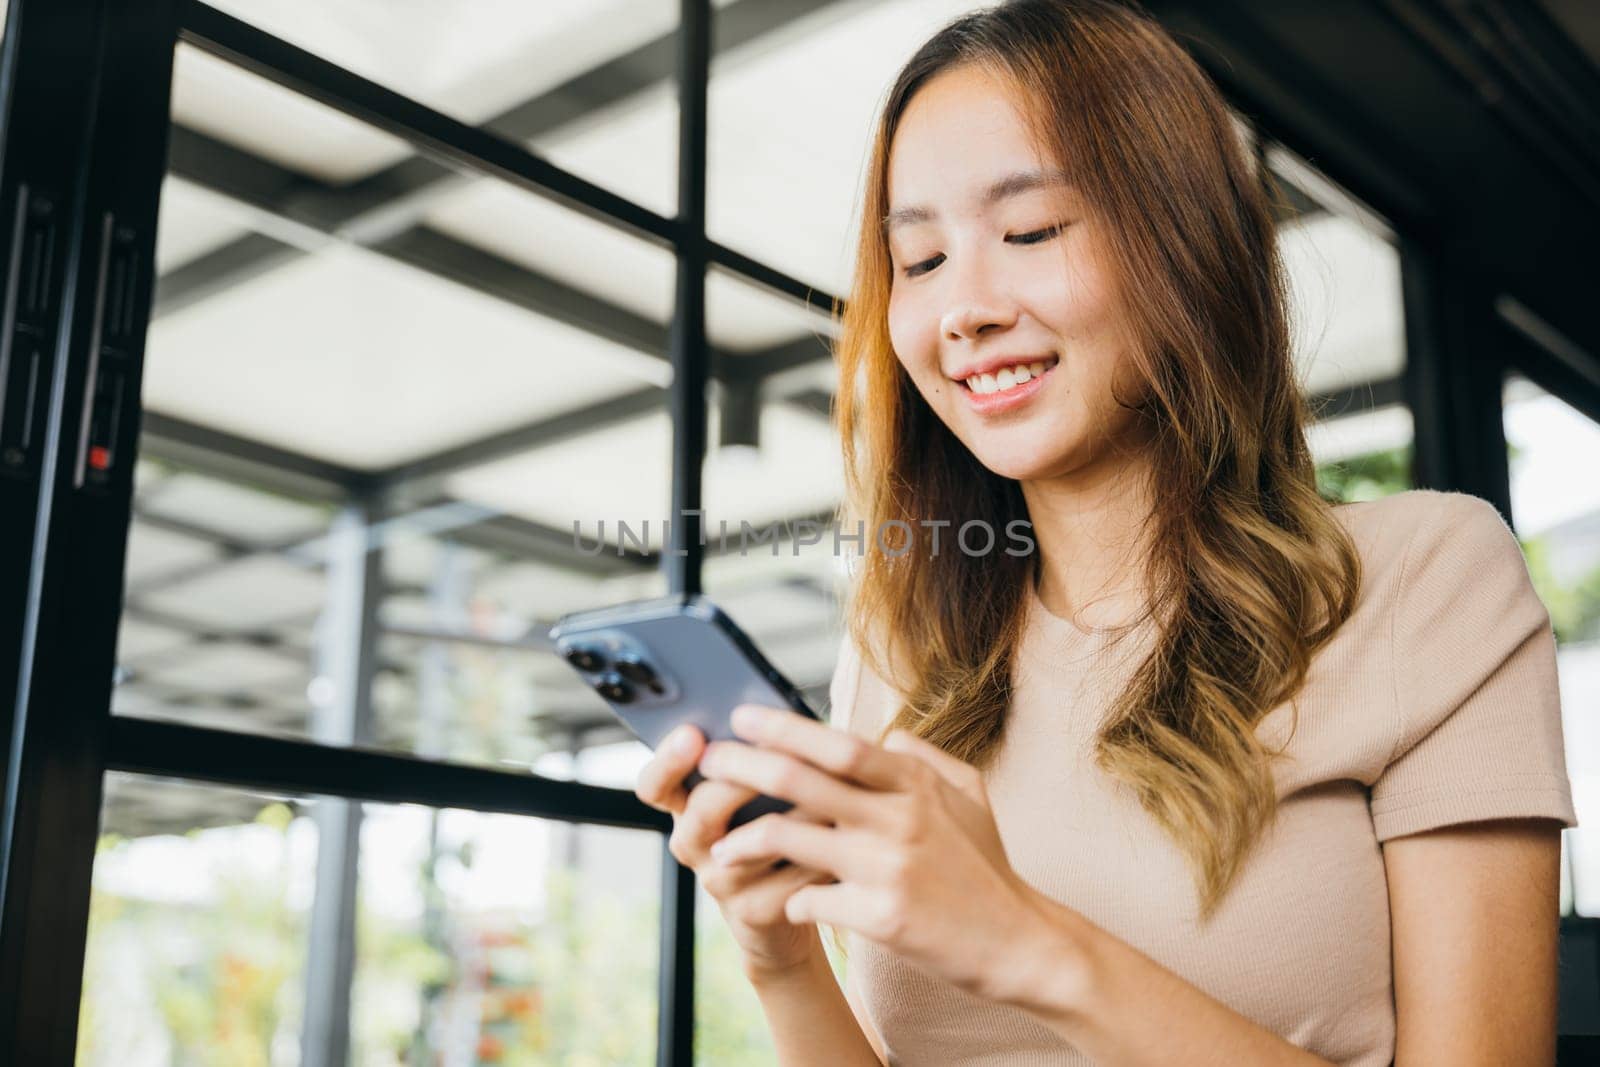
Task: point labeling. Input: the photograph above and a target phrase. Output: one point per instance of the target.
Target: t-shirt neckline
(1060, 626)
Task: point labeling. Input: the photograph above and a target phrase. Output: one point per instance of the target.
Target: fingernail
(678, 740)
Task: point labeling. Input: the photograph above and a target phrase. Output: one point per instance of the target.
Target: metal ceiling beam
(396, 198)
(232, 458)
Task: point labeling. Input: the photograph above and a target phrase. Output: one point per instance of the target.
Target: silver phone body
(705, 663)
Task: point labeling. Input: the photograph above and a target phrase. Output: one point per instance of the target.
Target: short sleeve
(1477, 709)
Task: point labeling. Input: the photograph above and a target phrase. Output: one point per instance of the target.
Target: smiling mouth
(1009, 377)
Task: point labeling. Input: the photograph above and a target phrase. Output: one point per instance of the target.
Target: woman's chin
(1022, 463)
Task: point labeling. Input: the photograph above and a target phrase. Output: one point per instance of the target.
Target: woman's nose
(979, 301)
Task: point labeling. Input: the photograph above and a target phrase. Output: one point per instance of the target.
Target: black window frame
(86, 88)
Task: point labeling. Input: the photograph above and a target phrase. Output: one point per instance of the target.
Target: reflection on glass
(477, 939)
(1555, 506)
(370, 438)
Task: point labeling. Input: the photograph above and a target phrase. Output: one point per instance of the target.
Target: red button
(99, 457)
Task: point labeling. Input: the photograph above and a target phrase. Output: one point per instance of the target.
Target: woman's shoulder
(1425, 548)
(1399, 528)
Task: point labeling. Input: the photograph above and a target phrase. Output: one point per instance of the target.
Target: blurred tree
(1366, 477)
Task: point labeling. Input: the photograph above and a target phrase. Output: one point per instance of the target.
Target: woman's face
(1018, 279)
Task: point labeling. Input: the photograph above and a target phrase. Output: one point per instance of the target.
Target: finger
(761, 901)
(845, 853)
(841, 905)
(724, 882)
(705, 817)
(710, 807)
(660, 781)
(958, 772)
(842, 754)
(780, 774)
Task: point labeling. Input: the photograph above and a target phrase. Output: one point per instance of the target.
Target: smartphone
(669, 660)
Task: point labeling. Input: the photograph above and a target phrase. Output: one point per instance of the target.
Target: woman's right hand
(751, 894)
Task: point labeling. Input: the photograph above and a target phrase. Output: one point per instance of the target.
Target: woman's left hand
(909, 834)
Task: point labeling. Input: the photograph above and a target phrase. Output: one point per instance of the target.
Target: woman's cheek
(910, 343)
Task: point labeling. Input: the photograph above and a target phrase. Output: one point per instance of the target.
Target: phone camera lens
(585, 659)
(614, 688)
(632, 667)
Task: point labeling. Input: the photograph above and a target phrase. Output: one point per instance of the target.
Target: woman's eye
(1037, 235)
(1033, 238)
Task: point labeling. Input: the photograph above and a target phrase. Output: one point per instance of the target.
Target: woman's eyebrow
(1013, 184)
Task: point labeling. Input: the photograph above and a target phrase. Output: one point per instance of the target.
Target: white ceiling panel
(358, 359)
(256, 591)
(743, 317)
(1348, 436)
(154, 551)
(228, 668)
(790, 121)
(214, 97)
(1346, 319)
(194, 221)
(564, 244)
(235, 511)
(469, 58)
(620, 474)
(137, 639)
(541, 591)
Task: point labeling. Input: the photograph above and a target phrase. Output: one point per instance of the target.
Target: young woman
(1216, 771)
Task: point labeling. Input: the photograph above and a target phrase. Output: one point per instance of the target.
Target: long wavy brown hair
(1248, 571)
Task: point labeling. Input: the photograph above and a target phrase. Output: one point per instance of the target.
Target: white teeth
(1008, 377)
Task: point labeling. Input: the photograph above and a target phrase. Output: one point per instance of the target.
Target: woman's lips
(1007, 399)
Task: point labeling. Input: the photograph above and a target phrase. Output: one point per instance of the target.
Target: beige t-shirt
(1435, 703)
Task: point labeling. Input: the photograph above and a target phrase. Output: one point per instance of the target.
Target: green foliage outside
(1368, 477)
(223, 983)
(1574, 605)
(225, 980)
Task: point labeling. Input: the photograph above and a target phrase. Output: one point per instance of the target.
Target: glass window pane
(591, 87)
(1347, 330)
(790, 122)
(475, 938)
(773, 477)
(1555, 507)
(1364, 456)
(365, 451)
(1348, 327)
(198, 926)
(503, 939)
(729, 1025)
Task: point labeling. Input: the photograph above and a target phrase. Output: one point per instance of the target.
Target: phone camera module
(614, 688)
(633, 667)
(586, 659)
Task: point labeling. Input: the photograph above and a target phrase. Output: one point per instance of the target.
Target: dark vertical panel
(684, 552)
(1454, 364)
(45, 99)
(123, 54)
(687, 339)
